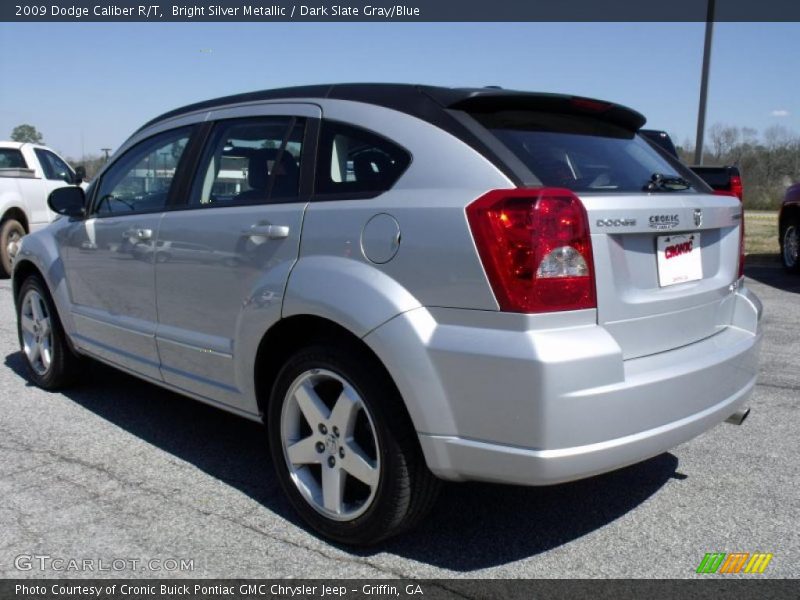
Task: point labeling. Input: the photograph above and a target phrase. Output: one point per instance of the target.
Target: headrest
(371, 166)
(258, 167)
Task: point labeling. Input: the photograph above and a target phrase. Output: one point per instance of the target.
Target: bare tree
(776, 136)
(723, 139)
(749, 136)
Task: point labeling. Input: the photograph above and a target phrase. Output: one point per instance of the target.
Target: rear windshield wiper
(663, 183)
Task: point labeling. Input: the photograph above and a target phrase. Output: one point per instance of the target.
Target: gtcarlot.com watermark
(63, 564)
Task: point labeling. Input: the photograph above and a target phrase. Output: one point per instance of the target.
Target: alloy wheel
(37, 332)
(791, 246)
(12, 246)
(330, 445)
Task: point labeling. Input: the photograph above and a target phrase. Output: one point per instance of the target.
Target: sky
(88, 86)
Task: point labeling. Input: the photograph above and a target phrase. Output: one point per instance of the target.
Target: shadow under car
(473, 526)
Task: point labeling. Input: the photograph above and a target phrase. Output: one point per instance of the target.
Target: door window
(250, 161)
(140, 180)
(54, 168)
(356, 161)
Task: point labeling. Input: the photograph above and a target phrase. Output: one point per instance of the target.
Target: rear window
(582, 154)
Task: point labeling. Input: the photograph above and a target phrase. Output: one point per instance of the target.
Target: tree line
(768, 163)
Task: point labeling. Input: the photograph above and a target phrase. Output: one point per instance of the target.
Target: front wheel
(344, 449)
(50, 362)
(790, 247)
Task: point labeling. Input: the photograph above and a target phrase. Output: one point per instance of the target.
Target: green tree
(26, 133)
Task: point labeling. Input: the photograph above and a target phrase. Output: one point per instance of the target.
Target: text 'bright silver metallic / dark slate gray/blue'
(406, 284)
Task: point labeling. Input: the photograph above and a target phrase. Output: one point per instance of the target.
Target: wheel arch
(39, 255)
(22, 270)
(291, 334)
(789, 213)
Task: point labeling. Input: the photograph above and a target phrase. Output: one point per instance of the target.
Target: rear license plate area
(678, 257)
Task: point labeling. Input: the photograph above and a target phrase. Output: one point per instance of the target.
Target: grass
(761, 235)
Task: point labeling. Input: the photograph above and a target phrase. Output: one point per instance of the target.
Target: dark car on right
(789, 229)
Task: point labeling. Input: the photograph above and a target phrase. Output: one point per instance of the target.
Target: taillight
(736, 187)
(535, 248)
(738, 190)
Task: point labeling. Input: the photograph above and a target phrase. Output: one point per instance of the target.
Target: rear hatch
(665, 249)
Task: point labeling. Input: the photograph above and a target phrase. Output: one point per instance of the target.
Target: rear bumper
(462, 459)
(543, 406)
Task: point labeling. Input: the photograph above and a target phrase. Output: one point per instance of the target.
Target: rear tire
(337, 410)
(50, 362)
(11, 233)
(790, 246)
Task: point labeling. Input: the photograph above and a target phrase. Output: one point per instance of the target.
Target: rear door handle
(272, 232)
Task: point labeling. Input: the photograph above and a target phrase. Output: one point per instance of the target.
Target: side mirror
(80, 174)
(67, 201)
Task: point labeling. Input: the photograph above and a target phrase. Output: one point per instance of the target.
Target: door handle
(272, 232)
(137, 233)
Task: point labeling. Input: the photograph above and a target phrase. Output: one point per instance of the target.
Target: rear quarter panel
(436, 263)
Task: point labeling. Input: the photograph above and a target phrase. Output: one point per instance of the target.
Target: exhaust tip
(738, 417)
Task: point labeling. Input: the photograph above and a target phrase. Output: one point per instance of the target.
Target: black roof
(428, 102)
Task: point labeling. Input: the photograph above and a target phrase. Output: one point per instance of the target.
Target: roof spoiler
(493, 100)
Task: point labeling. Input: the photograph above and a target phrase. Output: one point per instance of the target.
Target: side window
(250, 161)
(140, 180)
(53, 166)
(11, 158)
(356, 161)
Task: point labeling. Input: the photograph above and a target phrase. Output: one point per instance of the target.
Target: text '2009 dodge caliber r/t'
(406, 284)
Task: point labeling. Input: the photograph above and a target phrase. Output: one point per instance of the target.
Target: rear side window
(11, 158)
(354, 161)
(583, 154)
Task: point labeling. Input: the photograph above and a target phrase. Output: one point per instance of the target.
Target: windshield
(585, 154)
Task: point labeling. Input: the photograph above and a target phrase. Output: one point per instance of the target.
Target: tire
(790, 245)
(50, 362)
(11, 232)
(391, 496)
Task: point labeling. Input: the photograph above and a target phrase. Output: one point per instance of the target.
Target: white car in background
(28, 173)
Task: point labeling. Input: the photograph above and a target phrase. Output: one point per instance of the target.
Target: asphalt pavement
(147, 483)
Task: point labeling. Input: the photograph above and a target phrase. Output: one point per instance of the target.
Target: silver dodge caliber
(405, 284)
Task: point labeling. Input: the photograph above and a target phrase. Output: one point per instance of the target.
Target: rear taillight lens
(736, 187)
(535, 248)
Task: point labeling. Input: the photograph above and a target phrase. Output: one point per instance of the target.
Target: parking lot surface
(118, 469)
